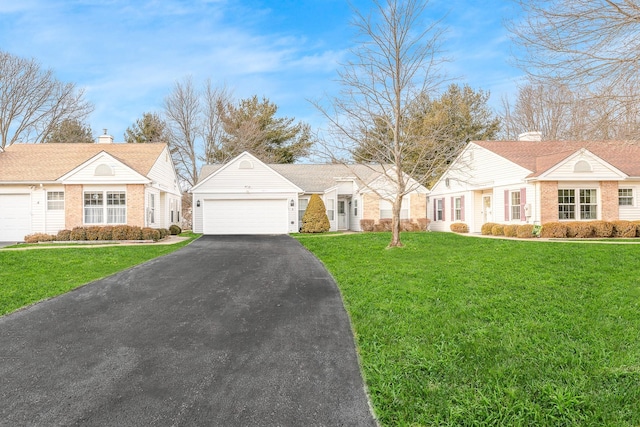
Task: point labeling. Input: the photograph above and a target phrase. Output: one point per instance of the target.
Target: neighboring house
(45, 188)
(529, 181)
(247, 196)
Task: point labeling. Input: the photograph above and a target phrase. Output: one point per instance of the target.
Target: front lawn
(31, 275)
(464, 331)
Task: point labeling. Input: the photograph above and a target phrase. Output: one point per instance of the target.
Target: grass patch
(462, 331)
(30, 276)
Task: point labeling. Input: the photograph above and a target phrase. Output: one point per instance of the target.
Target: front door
(343, 220)
(487, 212)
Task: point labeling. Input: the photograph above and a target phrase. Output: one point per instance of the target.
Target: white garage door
(245, 216)
(15, 217)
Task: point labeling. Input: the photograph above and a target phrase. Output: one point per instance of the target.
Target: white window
(355, 207)
(515, 204)
(457, 210)
(55, 200)
(302, 208)
(625, 197)
(386, 209)
(330, 208)
(439, 209)
(152, 209)
(586, 203)
(96, 211)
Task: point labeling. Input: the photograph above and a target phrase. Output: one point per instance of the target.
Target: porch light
(198, 203)
(292, 203)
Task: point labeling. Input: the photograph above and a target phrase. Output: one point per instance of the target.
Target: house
(533, 181)
(247, 196)
(45, 188)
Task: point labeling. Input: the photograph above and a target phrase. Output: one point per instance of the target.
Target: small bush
(554, 230)
(64, 235)
(408, 225)
(315, 218)
(174, 230)
(423, 223)
(150, 234)
(164, 232)
(486, 228)
(105, 233)
(525, 231)
(579, 229)
(367, 224)
(119, 232)
(511, 230)
(624, 229)
(134, 233)
(497, 230)
(383, 225)
(92, 233)
(459, 227)
(78, 233)
(39, 237)
(602, 229)
(637, 223)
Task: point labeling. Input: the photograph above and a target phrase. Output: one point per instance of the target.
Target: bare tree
(33, 102)
(395, 61)
(216, 101)
(182, 112)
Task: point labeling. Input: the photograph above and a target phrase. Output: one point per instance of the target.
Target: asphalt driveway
(228, 331)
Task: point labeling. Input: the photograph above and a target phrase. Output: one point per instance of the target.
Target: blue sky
(127, 55)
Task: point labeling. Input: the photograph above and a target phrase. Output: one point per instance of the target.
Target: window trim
(575, 208)
(515, 210)
(629, 196)
(56, 201)
(104, 206)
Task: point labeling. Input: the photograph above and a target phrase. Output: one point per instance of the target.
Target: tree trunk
(395, 223)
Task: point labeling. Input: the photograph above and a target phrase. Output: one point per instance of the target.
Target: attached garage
(15, 217)
(245, 216)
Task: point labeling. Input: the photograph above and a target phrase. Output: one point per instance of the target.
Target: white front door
(487, 212)
(343, 219)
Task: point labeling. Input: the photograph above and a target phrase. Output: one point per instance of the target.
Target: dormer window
(103, 170)
(582, 166)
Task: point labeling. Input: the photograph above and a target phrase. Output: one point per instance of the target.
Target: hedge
(117, 232)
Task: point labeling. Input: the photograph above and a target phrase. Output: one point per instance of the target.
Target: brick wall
(609, 198)
(371, 207)
(135, 204)
(548, 201)
(73, 206)
(418, 204)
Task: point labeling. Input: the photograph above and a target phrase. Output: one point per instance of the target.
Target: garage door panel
(15, 217)
(249, 216)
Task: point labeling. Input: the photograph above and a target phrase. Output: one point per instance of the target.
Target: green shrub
(119, 232)
(497, 230)
(92, 232)
(367, 224)
(459, 227)
(174, 230)
(554, 230)
(511, 230)
(624, 229)
(164, 232)
(315, 218)
(134, 232)
(602, 229)
(423, 223)
(148, 233)
(78, 233)
(525, 231)
(64, 235)
(486, 228)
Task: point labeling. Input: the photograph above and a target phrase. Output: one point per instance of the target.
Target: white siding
(600, 171)
(330, 198)
(122, 174)
(631, 213)
(163, 174)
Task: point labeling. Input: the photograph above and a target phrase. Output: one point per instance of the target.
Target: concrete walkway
(227, 331)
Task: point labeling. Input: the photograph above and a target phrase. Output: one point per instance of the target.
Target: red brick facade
(135, 204)
(73, 206)
(548, 201)
(609, 197)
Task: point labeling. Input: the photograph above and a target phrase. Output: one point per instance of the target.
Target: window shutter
(443, 210)
(523, 201)
(462, 208)
(506, 205)
(453, 214)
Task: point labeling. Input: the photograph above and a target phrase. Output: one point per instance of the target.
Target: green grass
(29, 276)
(460, 331)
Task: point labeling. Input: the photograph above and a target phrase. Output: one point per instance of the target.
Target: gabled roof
(313, 178)
(48, 162)
(540, 156)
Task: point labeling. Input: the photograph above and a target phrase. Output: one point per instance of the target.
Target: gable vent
(582, 166)
(103, 170)
(245, 164)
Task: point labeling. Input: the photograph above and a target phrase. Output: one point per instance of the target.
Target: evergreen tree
(315, 218)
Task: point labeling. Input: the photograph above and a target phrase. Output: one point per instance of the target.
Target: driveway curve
(227, 331)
